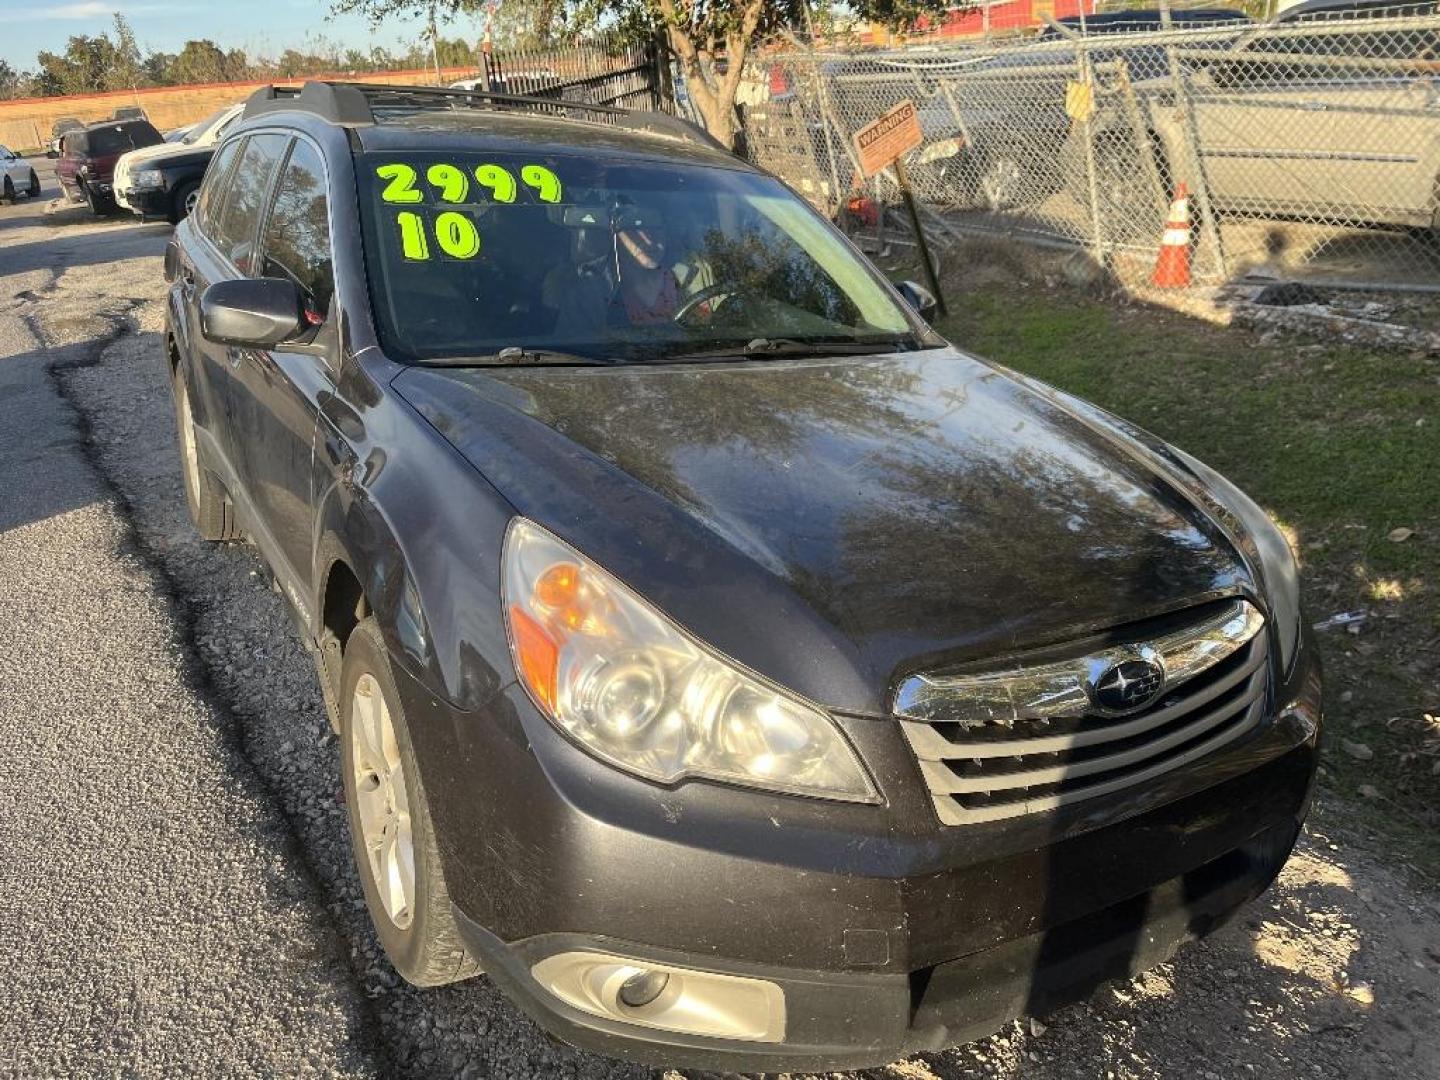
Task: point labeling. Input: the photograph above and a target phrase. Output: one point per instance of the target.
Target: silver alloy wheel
(1000, 183)
(190, 459)
(381, 803)
(190, 200)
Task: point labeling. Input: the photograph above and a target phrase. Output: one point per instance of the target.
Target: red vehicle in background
(87, 159)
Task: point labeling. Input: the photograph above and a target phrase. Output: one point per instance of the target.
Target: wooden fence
(604, 70)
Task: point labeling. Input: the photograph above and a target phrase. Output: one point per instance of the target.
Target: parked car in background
(130, 112)
(57, 130)
(162, 180)
(16, 177)
(176, 134)
(737, 673)
(1311, 115)
(88, 157)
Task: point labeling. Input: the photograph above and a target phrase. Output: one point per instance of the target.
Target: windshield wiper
(800, 347)
(514, 356)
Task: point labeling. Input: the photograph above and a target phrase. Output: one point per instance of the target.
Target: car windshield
(196, 133)
(608, 261)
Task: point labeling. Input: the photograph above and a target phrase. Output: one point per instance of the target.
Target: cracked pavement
(176, 887)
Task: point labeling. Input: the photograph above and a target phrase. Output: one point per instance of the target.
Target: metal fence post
(1087, 75)
(1209, 226)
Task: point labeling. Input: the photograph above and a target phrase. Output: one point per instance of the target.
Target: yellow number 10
(454, 232)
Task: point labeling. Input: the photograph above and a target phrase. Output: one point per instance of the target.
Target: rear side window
(122, 137)
(236, 227)
(73, 145)
(297, 235)
(212, 190)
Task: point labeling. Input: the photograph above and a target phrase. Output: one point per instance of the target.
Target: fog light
(666, 997)
(642, 988)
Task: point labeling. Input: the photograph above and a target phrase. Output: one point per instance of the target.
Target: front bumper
(147, 202)
(886, 932)
(852, 1020)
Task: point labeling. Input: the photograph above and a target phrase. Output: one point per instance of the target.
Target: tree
(127, 66)
(159, 69)
(83, 68)
(10, 80)
(711, 38)
(203, 61)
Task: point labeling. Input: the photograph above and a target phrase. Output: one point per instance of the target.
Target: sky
(259, 26)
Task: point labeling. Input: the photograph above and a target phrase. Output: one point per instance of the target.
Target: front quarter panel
(421, 529)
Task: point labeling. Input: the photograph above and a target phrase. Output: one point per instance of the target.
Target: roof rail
(348, 104)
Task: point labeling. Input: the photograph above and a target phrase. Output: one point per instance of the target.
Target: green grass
(1340, 444)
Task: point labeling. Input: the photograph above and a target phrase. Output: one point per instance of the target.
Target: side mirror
(252, 312)
(919, 298)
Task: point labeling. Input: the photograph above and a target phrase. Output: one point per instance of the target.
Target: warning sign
(885, 139)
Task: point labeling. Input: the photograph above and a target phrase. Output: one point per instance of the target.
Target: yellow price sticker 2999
(452, 183)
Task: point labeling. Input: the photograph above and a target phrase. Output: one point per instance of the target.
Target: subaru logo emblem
(1127, 686)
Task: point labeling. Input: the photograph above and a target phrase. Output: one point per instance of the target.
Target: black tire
(7, 193)
(92, 200)
(34, 185)
(180, 201)
(212, 513)
(428, 950)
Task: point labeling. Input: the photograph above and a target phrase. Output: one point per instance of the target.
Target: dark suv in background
(739, 674)
(87, 158)
(164, 181)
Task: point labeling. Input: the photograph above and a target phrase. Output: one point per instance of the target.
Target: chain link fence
(1309, 145)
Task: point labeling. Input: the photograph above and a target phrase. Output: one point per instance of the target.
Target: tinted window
(212, 190)
(235, 228)
(297, 236)
(73, 145)
(120, 138)
(469, 254)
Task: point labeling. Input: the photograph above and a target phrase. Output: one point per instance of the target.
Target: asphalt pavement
(152, 921)
(177, 895)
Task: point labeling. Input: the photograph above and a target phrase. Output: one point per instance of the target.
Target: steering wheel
(710, 292)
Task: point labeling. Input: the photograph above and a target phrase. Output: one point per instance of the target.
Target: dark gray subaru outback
(737, 673)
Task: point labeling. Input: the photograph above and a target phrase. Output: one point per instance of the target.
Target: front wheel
(92, 200)
(182, 203)
(390, 827)
(34, 185)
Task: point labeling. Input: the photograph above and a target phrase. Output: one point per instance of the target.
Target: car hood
(131, 158)
(884, 513)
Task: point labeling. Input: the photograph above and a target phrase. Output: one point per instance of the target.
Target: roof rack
(353, 104)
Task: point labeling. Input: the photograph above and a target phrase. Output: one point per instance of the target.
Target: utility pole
(434, 44)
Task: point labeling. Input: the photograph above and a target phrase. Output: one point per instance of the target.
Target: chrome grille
(1000, 744)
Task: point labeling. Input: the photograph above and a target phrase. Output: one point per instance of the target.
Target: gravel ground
(156, 916)
(1335, 973)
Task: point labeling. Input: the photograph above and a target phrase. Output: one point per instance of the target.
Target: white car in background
(205, 133)
(16, 177)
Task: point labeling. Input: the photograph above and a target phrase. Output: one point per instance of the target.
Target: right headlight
(147, 178)
(1267, 549)
(639, 692)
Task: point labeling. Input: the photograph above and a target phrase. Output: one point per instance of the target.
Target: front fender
(422, 532)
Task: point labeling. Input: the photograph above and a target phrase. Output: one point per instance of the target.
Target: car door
(225, 250)
(278, 389)
(72, 149)
(13, 170)
(1323, 124)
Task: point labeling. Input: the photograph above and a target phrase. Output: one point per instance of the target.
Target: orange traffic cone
(1172, 266)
